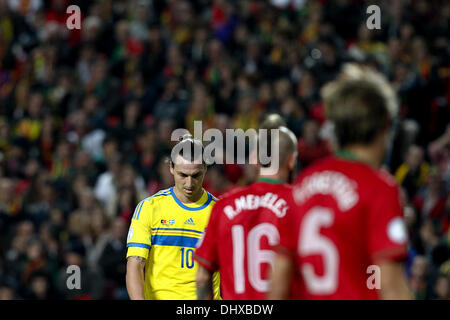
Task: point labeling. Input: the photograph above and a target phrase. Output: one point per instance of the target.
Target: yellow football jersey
(165, 232)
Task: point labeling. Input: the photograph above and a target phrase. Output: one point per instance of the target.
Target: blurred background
(86, 117)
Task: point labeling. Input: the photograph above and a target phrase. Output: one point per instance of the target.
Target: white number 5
(312, 242)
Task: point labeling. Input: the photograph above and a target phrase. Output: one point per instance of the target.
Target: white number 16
(255, 256)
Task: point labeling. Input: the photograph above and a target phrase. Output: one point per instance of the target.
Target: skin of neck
(371, 154)
(283, 173)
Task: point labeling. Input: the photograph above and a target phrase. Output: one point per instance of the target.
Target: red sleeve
(206, 252)
(387, 231)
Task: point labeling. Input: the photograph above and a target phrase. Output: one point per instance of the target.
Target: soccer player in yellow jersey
(164, 231)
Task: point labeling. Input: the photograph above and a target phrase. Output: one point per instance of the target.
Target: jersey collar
(347, 155)
(269, 180)
(197, 205)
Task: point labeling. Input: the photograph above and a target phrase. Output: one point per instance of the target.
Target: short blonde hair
(360, 103)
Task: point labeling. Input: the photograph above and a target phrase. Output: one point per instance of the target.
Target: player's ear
(292, 160)
(171, 167)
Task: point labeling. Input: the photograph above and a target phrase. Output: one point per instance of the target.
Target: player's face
(188, 179)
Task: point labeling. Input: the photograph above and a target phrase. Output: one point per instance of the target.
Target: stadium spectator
(431, 200)
(111, 261)
(439, 151)
(412, 174)
(311, 147)
(100, 235)
(441, 288)
(92, 283)
(216, 181)
(40, 287)
(7, 293)
(418, 281)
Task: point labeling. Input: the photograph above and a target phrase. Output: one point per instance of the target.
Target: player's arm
(135, 277)
(388, 242)
(284, 264)
(206, 257)
(281, 277)
(138, 244)
(204, 284)
(393, 281)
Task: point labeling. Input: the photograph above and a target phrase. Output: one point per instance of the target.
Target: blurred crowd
(86, 118)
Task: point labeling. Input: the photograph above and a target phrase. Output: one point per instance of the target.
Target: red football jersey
(240, 237)
(348, 216)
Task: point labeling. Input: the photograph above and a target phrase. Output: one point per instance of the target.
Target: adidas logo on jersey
(190, 221)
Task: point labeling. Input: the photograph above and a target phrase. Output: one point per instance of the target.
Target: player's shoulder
(158, 196)
(282, 187)
(257, 189)
(318, 166)
(228, 197)
(283, 190)
(213, 198)
(333, 171)
(148, 203)
(386, 178)
(353, 170)
(379, 178)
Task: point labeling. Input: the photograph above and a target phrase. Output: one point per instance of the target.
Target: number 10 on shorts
(186, 258)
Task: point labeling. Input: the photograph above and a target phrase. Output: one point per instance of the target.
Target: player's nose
(189, 182)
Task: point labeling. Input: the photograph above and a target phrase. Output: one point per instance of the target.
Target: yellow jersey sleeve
(139, 238)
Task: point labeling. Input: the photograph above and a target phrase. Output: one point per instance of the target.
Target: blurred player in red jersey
(348, 222)
(243, 230)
